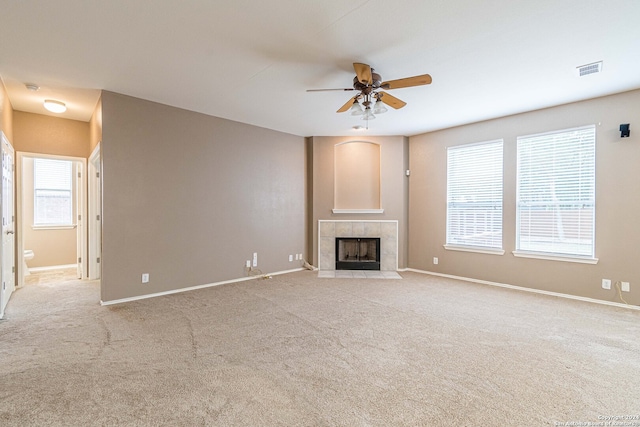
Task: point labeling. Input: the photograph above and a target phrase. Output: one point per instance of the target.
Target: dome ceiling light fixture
(370, 96)
(55, 106)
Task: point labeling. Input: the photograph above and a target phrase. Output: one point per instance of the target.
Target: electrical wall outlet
(291, 257)
(435, 260)
(625, 287)
(255, 259)
(145, 277)
(248, 264)
(606, 283)
(300, 257)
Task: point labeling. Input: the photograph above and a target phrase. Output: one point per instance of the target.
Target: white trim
(193, 288)
(94, 225)
(357, 211)
(53, 227)
(550, 257)
(52, 267)
(279, 273)
(475, 249)
(532, 290)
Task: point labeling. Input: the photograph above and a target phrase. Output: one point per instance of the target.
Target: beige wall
(50, 246)
(37, 133)
(6, 113)
(393, 186)
(188, 198)
(95, 127)
(617, 201)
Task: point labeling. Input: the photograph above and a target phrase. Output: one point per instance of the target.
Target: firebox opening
(357, 253)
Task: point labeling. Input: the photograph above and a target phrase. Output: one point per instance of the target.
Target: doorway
(52, 213)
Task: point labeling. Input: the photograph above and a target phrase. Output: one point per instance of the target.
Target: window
(474, 195)
(52, 192)
(556, 192)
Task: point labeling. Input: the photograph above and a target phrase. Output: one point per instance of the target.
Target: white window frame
(586, 185)
(487, 159)
(37, 222)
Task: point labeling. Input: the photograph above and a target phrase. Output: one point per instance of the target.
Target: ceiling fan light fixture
(55, 106)
(368, 115)
(356, 109)
(379, 108)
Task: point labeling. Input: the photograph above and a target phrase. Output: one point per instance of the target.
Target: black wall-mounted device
(624, 130)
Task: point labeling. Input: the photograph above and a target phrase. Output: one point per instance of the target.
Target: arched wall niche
(357, 177)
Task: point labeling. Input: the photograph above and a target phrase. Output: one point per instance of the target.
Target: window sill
(357, 211)
(476, 249)
(555, 257)
(53, 227)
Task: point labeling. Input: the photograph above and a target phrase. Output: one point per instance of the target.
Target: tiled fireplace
(386, 231)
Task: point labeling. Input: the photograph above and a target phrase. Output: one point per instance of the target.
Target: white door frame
(82, 192)
(7, 278)
(94, 218)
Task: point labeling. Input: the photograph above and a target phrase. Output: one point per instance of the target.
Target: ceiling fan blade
(391, 101)
(347, 105)
(423, 79)
(325, 90)
(363, 71)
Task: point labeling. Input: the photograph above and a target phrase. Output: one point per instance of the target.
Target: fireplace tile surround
(387, 231)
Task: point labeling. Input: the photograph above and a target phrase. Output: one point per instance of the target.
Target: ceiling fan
(369, 86)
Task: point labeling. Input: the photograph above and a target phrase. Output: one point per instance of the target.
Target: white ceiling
(252, 61)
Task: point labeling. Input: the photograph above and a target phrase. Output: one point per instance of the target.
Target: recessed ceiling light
(55, 106)
(32, 86)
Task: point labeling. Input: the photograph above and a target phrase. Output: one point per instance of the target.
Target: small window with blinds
(556, 193)
(474, 196)
(53, 199)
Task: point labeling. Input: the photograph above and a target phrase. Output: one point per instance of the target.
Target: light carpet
(298, 350)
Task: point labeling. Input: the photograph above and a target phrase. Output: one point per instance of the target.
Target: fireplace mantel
(357, 211)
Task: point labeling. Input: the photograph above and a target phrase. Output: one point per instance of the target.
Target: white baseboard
(535, 291)
(52, 267)
(193, 288)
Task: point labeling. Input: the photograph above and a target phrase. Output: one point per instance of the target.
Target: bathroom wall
(51, 247)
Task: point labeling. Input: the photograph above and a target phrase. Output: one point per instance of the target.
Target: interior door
(8, 225)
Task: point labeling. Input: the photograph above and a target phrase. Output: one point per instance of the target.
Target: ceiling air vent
(587, 69)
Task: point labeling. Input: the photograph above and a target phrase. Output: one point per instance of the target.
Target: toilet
(28, 254)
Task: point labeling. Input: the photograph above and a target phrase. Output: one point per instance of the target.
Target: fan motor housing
(377, 81)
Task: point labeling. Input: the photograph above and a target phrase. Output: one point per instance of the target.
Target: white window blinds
(556, 192)
(52, 192)
(474, 195)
